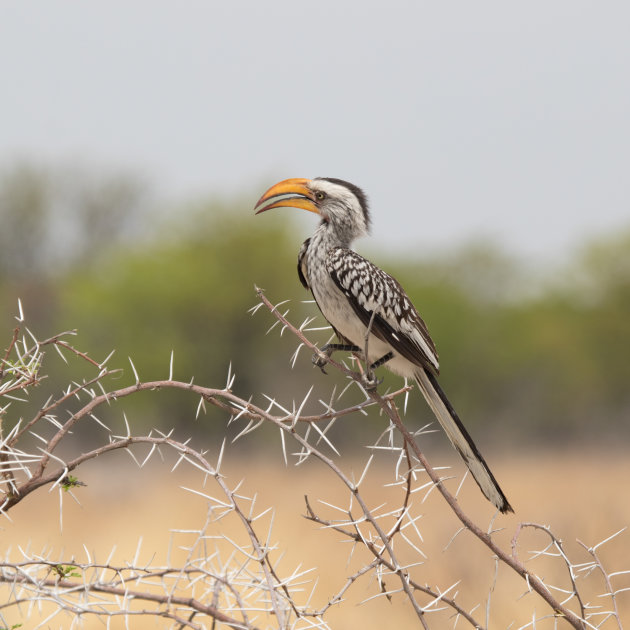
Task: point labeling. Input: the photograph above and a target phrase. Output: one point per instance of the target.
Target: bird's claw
(370, 381)
(320, 359)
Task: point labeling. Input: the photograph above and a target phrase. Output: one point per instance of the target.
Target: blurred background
(492, 139)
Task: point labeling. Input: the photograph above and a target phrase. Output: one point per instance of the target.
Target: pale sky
(459, 119)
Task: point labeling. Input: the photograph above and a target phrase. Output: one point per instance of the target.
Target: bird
(367, 308)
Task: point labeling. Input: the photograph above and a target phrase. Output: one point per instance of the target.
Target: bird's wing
(301, 266)
(396, 322)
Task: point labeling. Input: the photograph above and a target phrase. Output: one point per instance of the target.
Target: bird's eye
(320, 195)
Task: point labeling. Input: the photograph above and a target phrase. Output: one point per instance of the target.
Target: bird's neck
(331, 235)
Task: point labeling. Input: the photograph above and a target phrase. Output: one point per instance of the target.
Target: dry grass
(579, 497)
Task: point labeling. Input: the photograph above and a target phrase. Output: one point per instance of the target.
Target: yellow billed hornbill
(355, 297)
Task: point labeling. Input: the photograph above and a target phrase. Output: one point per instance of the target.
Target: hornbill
(355, 297)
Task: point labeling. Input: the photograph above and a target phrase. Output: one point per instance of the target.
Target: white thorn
(20, 318)
(133, 367)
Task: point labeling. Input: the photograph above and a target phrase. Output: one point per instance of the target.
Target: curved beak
(295, 193)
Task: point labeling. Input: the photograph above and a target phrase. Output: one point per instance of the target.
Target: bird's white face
(339, 203)
(334, 198)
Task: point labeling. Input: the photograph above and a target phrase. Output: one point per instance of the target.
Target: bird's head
(343, 206)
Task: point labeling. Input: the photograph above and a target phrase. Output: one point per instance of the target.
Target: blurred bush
(523, 356)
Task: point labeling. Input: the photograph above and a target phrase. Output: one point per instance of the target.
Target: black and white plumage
(354, 295)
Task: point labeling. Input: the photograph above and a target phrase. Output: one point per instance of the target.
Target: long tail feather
(461, 440)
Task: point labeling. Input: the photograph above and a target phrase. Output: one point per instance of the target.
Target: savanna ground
(579, 493)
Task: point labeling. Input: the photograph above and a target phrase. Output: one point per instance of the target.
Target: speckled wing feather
(396, 322)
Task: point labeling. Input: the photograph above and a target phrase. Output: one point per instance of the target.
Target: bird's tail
(461, 439)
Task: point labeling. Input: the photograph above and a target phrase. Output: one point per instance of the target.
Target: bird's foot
(370, 381)
(320, 359)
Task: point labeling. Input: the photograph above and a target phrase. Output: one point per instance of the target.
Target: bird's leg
(382, 361)
(321, 358)
(370, 382)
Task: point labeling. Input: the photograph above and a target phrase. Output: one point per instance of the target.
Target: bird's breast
(331, 301)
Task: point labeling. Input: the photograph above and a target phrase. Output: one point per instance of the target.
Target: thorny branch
(236, 592)
(597, 564)
(557, 544)
(388, 406)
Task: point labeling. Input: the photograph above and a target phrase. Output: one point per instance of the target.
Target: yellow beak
(304, 200)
